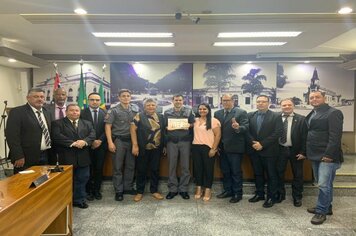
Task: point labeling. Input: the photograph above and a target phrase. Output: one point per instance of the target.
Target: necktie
(95, 117)
(226, 113)
(260, 117)
(75, 125)
(61, 115)
(44, 129)
(285, 129)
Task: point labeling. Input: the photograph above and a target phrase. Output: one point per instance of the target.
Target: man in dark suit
(57, 111)
(72, 138)
(324, 150)
(292, 147)
(28, 132)
(234, 125)
(58, 108)
(263, 148)
(96, 116)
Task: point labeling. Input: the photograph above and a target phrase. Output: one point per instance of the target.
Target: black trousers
(286, 155)
(150, 160)
(97, 157)
(203, 165)
(262, 165)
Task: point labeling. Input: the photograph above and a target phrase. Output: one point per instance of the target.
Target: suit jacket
(324, 134)
(233, 141)
(51, 108)
(268, 136)
(64, 134)
(100, 129)
(24, 134)
(298, 134)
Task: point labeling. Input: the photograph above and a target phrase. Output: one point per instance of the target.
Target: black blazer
(298, 134)
(64, 134)
(24, 134)
(271, 130)
(51, 111)
(233, 141)
(324, 134)
(100, 129)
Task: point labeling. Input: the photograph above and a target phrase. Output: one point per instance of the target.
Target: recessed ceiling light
(132, 35)
(246, 44)
(259, 34)
(249, 62)
(306, 62)
(345, 10)
(138, 44)
(80, 11)
(12, 60)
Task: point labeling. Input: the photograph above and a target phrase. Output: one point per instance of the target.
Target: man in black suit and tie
(57, 111)
(234, 125)
(292, 148)
(96, 116)
(28, 132)
(263, 148)
(72, 138)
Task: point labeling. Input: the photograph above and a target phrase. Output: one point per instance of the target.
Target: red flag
(57, 81)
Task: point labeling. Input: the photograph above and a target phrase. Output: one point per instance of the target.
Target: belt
(123, 138)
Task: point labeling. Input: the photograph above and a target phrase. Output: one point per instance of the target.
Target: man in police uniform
(179, 120)
(117, 130)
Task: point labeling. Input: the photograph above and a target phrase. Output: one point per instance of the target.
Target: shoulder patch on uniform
(107, 116)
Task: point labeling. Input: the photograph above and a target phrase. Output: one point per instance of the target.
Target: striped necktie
(44, 129)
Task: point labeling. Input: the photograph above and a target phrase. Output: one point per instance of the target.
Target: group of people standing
(138, 139)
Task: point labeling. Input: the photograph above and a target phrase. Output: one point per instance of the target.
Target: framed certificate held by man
(177, 123)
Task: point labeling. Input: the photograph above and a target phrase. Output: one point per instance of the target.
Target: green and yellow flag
(102, 97)
(82, 98)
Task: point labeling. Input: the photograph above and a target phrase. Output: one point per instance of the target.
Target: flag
(102, 97)
(82, 98)
(57, 82)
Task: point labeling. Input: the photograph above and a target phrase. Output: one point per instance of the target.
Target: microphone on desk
(57, 168)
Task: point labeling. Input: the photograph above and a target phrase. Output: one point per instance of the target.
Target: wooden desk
(45, 209)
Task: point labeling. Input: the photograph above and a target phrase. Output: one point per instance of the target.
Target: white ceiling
(50, 29)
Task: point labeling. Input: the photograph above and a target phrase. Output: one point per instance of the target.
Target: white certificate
(181, 123)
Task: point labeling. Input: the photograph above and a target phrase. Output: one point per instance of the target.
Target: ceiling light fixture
(12, 60)
(306, 62)
(259, 34)
(132, 35)
(138, 44)
(345, 10)
(247, 44)
(80, 11)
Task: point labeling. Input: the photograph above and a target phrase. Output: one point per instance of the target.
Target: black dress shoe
(235, 199)
(130, 192)
(119, 197)
(224, 194)
(297, 202)
(280, 198)
(98, 195)
(171, 195)
(256, 198)
(90, 197)
(184, 195)
(268, 203)
(82, 205)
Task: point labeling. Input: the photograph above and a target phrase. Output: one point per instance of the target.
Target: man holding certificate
(179, 120)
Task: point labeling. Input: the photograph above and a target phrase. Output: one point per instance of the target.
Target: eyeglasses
(226, 100)
(94, 100)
